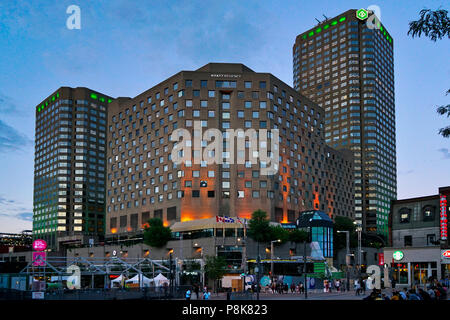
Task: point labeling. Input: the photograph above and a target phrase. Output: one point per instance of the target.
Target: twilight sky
(126, 47)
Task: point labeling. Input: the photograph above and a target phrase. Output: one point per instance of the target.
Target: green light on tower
(334, 23)
(318, 30)
(325, 27)
(102, 99)
(362, 14)
(342, 19)
(94, 96)
(311, 33)
(109, 100)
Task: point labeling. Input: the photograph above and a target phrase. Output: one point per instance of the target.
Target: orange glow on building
(113, 230)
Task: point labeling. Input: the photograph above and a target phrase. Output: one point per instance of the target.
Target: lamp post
(359, 230)
(347, 257)
(272, 255)
(304, 259)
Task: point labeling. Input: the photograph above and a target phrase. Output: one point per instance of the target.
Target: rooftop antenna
(326, 18)
(318, 21)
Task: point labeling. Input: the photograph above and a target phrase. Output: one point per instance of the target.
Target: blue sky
(125, 47)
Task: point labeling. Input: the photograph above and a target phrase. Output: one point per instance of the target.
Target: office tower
(143, 182)
(348, 69)
(69, 169)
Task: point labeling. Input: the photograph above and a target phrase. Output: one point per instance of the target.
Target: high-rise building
(346, 65)
(70, 167)
(144, 182)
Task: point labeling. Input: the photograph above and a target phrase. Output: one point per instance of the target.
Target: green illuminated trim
(53, 98)
(342, 19)
(94, 96)
(102, 99)
(57, 94)
(326, 26)
(381, 27)
(46, 103)
(109, 100)
(304, 36)
(318, 30)
(334, 23)
(311, 33)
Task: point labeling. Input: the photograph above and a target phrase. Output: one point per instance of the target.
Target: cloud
(445, 152)
(7, 106)
(26, 216)
(11, 139)
(3, 200)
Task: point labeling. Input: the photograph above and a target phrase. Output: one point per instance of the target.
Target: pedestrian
(286, 288)
(412, 295)
(206, 295)
(188, 294)
(403, 294)
(196, 290)
(337, 285)
(357, 287)
(301, 289)
(363, 286)
(292, 287)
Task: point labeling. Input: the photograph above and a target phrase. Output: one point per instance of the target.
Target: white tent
(117, 281)
(144, 281)
(160, 280)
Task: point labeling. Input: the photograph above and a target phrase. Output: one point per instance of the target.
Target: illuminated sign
(397, 255)
(443, 217)
(39, 245)
(362, 14)
(39, 258)
(446, 254)
(381, 259)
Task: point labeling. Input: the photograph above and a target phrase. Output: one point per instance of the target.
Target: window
(203, 83)
(408, 241)
(195, 193)
(405, 215)
(248, 84)
(428, 213)
(188, 83)
(431, 240)
(262, 84)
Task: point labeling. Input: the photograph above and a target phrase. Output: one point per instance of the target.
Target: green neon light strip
(102, 99)
(109, 100)
(342, 19)
(334, 23)
(326, 27)
(311, 33)
(93, 96)
(318, 30)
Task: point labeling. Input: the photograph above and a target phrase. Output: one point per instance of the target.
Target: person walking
(337, 285)
(197, 290)
(292, 287)
(188, 294)
(357, 287)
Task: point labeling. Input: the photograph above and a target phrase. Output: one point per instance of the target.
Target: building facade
(346, 66)
(70, 167)
(419, 244)
(143, 182)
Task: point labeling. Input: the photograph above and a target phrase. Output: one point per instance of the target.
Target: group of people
(204, 295)
(431, 293)
(280, 288)
(329, 285)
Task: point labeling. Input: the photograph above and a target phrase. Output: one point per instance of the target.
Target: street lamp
(304, 259)
(347, 256)
(359, 230)
(272, 256)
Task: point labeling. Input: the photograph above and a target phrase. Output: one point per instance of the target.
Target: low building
(419, 244)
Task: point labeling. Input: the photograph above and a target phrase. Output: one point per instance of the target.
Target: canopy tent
(140, 279)
(117, 281)
(160, 280)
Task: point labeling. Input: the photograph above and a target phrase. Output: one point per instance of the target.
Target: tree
(297, 236)
(215, 268)
(279, 233)
(344, 224)
(259, 228)
(156, 235)
(434, 25)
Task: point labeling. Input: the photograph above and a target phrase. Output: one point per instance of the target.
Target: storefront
(413, 266)
(445, 263)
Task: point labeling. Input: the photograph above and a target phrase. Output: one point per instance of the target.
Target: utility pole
(272, 256)
(258, 267)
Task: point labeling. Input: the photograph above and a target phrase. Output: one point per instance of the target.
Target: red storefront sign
(443, 216)
(446, 254)
(381, 259)
(39, 245)
(39, 258)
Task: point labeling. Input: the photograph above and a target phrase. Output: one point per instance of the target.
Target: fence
(151, 293)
